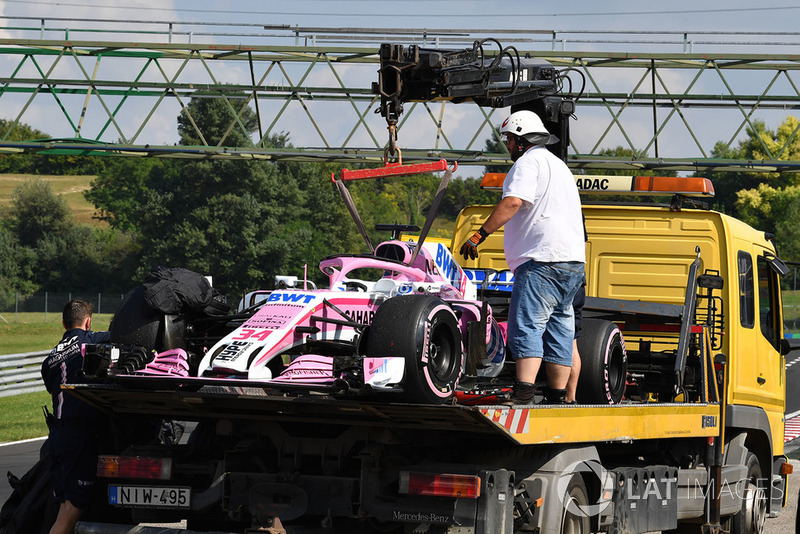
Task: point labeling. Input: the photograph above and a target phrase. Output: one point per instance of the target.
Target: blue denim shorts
(541, 322)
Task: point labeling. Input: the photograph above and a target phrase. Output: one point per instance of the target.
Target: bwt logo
(290, 297)
(709, 421)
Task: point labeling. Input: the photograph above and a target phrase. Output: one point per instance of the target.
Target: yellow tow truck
(679, 423)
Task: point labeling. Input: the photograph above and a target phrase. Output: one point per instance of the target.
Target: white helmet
(528, 125)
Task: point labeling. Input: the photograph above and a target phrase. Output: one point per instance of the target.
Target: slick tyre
(604, 363)
(424, 331)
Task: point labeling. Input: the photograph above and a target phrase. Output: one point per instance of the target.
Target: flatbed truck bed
(523, 425)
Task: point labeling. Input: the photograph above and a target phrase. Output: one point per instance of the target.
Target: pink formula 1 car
(407, 328)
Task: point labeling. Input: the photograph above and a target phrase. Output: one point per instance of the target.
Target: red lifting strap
(392, 169)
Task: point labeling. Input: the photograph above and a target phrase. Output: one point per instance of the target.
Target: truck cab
(644, 252)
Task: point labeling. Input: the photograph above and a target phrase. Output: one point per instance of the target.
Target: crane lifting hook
(392, 150)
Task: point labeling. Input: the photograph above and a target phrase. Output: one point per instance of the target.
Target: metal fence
(50, 304)
(21, 373)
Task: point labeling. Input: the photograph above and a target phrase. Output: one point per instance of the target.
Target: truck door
(758, 375)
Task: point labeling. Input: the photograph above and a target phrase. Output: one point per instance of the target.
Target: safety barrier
(21, 373)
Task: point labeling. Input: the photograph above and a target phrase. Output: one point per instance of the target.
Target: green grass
(790, 298)
(30, 332)
(22, 416)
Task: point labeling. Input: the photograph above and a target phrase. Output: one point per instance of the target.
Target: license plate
(149, 496)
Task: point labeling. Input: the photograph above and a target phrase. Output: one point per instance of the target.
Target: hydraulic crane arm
(415, 74)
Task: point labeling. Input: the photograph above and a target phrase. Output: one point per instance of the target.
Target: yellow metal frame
(539, 425)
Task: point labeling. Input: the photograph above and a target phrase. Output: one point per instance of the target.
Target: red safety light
(619, 185)
(134, 467)
(668, 185)
(444, 485)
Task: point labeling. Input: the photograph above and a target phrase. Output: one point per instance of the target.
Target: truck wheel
(604, 363)
(753, 515)
(423, 330)
(576, 499)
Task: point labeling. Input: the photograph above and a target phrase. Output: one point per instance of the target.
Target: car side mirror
(784, 347)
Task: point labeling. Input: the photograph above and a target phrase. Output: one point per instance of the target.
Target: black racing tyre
(753, 515)
(576, 500)
(423, 330)
(135, 323)
(604, 363)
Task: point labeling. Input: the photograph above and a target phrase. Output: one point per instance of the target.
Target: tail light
(446, 485)
(134, 467)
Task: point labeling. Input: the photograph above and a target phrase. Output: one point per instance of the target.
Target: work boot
(522, 394)
(554, 396)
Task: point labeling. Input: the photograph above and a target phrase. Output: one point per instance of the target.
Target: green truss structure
(122, 98)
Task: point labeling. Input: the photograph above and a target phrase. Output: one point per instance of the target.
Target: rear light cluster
(134, 467)
(445, 485)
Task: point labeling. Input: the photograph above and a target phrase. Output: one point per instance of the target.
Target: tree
(43, 248)
(239, 221)
(495, 146)
(213, 120)
(84, 258)
(16, 268)
(774, 210)
(19, 163)
(465, 192)
(761, 143)
(772, 201)
(36, 211)
(121, 191)
(41, 164)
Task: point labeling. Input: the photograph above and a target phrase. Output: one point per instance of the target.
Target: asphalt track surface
(18, 457)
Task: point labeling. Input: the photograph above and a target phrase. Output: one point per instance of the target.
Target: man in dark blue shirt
(73, 433)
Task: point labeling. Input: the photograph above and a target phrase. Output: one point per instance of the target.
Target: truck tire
(753, 515)
(576, 500)
(424, 331)
(604, 363)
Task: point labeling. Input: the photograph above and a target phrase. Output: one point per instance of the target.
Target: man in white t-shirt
(544, 247)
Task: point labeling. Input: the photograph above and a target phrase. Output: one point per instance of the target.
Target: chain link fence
(50, 304)
(46, 306)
